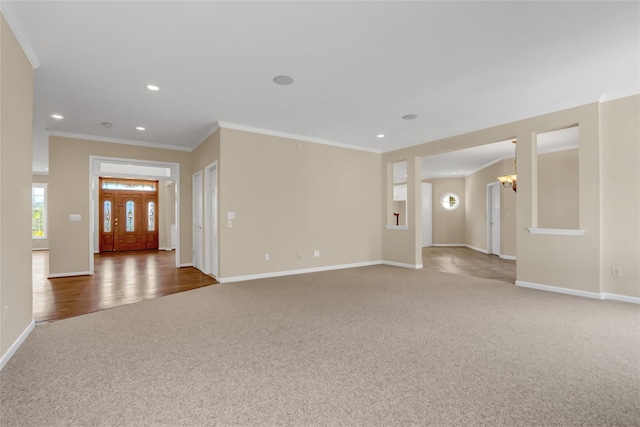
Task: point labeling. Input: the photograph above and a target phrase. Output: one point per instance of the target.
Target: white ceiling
(358, 66)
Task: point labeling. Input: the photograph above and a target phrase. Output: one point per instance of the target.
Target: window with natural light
(39, 211)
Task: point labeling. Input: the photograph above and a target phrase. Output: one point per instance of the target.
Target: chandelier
(510, 180)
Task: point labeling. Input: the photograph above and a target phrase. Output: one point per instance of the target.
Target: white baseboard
(70, 274)
(449, 244)
(475, 248)
(403, 265)
(165, 249)
(594, 295)
(186, 264)
(623, 298)
(17, 343)
(510, 257)
(39, 249)
(292, 272)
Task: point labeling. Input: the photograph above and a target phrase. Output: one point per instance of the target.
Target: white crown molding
(119, 141)
(18, 31)
(227, 125)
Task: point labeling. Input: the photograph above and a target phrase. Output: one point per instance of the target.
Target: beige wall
(448, 226)
(293, 197)
(69, 194)
(508, 214)
(558, 190)
(620, 145)
(562, 261)
(16, 159)
(40, 243)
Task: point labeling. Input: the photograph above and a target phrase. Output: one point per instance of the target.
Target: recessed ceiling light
(410, 117)
(153, 87)
(57, 116)
(380, 135)
(283, 80)
(140, 128)
(107, 124)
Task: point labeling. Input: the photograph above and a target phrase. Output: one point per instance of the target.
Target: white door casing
(211, 219)
(493, 218)
(196, 191)
(427, 214)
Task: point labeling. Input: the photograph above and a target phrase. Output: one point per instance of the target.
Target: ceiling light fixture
(153, 88)
(510, 180)
(410, 117)
(380, 135)
(107, 124)
(140, 128)
(57, 116)
(283, 80)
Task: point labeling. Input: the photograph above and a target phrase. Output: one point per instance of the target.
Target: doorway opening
(128, 215)
(167, 175)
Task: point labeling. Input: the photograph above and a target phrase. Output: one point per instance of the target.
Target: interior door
(197, 220)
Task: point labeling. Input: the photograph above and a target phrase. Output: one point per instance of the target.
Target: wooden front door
(128, 217)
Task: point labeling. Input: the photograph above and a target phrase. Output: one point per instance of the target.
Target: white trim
(209, 171)
(70, 274)
(450, 244)
(119, 141)
(555, 231)
(557, 289)
(510, 257)
(43, 173)
(16, 344)
(94, 173)
(475, 248)
(39, 249)
(18, 31)
(594, 295)
(185, 264)
(227, 125)
(163, 248)
(623, 298)
(396, 227)
(292, 272)
(403, 265)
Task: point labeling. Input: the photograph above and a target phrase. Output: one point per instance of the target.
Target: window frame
(44, 186)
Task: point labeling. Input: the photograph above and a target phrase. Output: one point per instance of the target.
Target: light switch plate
(231, 215)
(75, 218)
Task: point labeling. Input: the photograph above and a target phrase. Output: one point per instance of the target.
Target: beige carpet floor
(373, 346)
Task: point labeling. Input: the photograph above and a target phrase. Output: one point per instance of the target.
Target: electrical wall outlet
(229, 224)
(316, 253)
(267, 257)
(616, 271)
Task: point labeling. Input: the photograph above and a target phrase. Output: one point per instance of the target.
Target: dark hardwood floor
(120, 278)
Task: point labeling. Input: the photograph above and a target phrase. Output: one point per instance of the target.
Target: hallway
(120, 278)
(468, 262)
